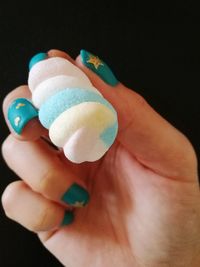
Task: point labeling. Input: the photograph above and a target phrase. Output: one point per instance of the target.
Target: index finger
(30, 127)
(152, 140)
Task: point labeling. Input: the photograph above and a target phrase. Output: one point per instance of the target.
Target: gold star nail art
(95, 61)
(17, 120)
(79, 204)
(19, 105)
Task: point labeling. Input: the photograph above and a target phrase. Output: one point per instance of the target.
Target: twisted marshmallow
(79, 119)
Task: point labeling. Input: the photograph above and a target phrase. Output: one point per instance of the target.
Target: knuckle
(8, 145)
(46, 220)
(9, 195)
(47, 181)
(136, 100)
(139, 100)
(137, 104)
(42, 221)
(189, 152)
(7, 100)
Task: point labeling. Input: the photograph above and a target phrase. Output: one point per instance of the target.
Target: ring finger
(41, 168)
(32, 210)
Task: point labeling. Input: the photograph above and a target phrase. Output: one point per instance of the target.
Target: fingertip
(94, 78)
(7, 145)
(59, 53)
(98, 67)
(9, 195)
(36, 58)
(21, 90)
(67, 219)
(21, 116)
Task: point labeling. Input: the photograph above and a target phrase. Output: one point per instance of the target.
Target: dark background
(155, 50)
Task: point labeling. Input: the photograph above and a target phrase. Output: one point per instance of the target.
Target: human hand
(144, 207)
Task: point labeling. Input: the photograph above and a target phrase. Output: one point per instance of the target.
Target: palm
(127, 218)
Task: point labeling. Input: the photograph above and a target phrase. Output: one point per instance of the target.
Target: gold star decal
(79, 204)
(95, 61)
(19, 105)
(17, 120)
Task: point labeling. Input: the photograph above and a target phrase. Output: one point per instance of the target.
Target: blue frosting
(109, 134)
(66, 99)
(38, 57)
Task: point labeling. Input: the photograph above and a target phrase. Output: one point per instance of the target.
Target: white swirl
(55, 84)
(51, 67)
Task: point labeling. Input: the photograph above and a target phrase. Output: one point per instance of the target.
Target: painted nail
(99, 67)
(20, 112)
(76, 196)
(38, 57)
(68, 218)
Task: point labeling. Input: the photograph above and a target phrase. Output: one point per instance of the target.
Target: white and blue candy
(79, 119)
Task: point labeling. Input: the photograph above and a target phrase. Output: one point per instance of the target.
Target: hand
(144, 207)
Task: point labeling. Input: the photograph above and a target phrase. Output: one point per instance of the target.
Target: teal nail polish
(20, 112)
(76, 196)
(38, 57)
(68, 218)
(99, 67)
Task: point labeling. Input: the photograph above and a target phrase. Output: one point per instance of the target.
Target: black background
(155, 50)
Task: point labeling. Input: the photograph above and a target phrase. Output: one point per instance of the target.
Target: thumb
(142, 131)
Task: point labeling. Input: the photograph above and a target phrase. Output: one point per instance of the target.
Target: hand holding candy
(143, 196)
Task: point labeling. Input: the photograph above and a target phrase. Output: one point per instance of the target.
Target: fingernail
(76, 196)
(38, 57)
(20, 112)
(99, 67)
(68, 218)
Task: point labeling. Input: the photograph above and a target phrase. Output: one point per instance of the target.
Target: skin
(145, 203)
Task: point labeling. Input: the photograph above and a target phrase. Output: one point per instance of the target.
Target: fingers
(40, 167)
(32, 210)
(148, 137)
(27, 127)
(21, 116)
(142, 131)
